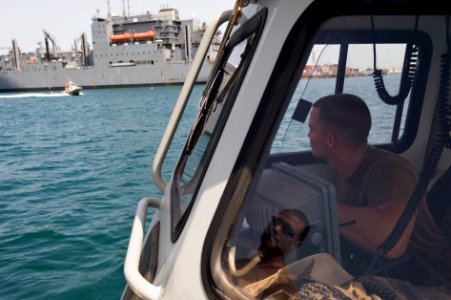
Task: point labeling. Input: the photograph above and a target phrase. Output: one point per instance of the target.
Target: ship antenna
(109, 9)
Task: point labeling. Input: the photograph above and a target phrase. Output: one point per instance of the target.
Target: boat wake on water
(35, 95)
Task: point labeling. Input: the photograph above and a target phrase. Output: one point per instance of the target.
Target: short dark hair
(347, 113)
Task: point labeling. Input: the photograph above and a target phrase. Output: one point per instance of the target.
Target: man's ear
(331, 140)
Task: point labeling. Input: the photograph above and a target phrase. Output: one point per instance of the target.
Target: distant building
(331, 70)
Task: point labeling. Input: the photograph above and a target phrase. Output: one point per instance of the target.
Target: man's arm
(373, 225)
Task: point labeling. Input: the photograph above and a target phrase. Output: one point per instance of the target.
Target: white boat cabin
(247, 158)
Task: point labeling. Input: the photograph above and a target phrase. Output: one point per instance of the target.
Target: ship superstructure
(139, 50)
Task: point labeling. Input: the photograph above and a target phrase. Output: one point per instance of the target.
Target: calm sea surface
(72, 170)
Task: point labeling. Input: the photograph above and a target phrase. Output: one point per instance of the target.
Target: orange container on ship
(121, 37)
(144, 35)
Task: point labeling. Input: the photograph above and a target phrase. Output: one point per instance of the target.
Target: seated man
(283, 234)
(373, 188)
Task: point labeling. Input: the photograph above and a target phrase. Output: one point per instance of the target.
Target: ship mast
(123, 8)
(109, 9)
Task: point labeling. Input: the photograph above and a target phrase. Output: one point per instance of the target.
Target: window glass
(360, 67)
(199, 140)
(319, 79)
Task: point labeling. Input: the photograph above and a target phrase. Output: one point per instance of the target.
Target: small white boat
(71, 88)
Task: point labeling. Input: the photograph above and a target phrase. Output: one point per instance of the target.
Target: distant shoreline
(330, 71)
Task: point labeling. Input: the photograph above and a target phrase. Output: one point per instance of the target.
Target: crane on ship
(81, 46)
(11, 52)
(54, 53)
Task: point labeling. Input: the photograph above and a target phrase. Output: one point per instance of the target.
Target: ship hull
(52, 76)
(159, 52)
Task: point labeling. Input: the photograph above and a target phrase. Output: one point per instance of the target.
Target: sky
(66, 20)
(361, 56)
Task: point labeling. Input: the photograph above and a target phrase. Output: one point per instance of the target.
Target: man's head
(285, 232)
(338, 120)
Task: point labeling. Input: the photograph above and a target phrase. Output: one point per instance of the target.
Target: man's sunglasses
(287, 229)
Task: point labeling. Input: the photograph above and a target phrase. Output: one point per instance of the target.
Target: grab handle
(135, 280)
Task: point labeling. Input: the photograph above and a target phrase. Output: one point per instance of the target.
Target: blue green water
(72, 170)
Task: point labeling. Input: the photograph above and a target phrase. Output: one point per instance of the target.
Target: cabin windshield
(216, 103)
(319, 79)
(287, 227)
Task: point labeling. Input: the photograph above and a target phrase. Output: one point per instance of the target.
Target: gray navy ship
(140, 50)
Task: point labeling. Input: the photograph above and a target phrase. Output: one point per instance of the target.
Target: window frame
(415, 99)
(418, 89)
(255, 26)
(289, 65)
